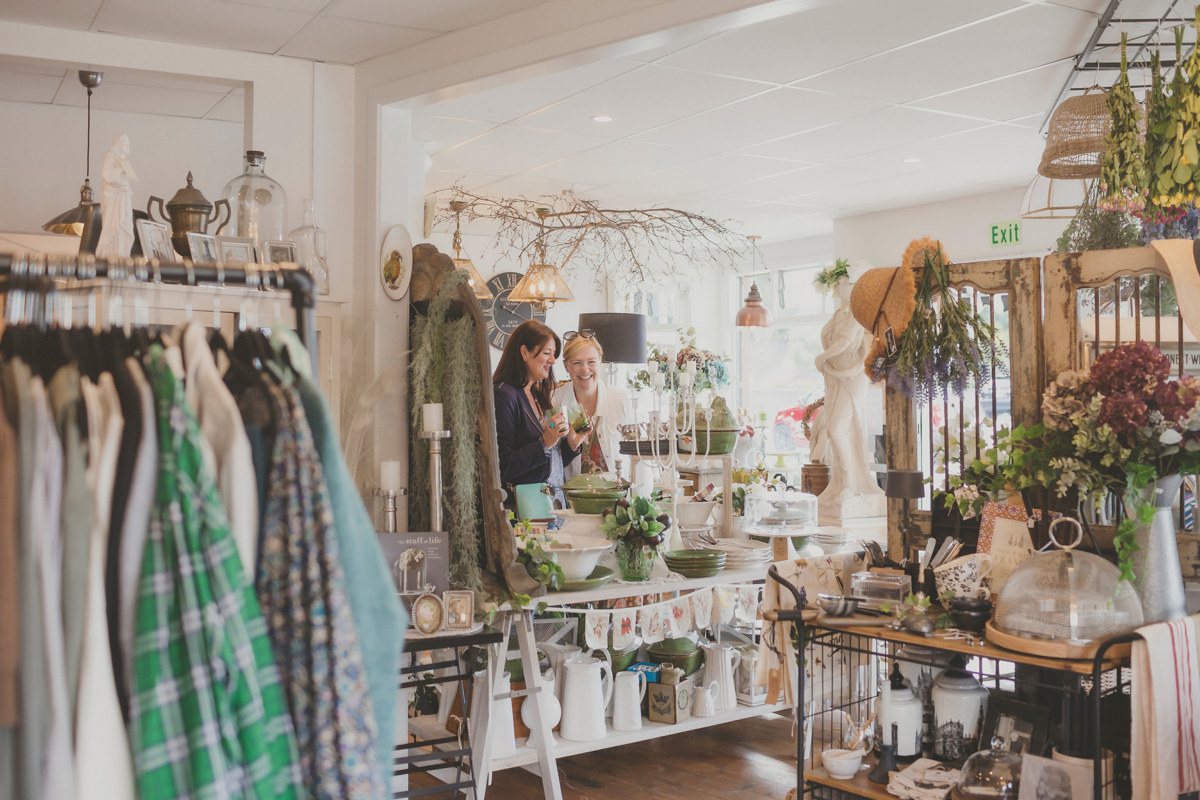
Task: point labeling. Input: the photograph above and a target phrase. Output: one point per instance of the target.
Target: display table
(546, 747)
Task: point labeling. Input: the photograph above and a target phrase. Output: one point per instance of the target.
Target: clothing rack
(292, 278)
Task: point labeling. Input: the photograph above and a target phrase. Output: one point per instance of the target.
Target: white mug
(964, 575)
(628, 692)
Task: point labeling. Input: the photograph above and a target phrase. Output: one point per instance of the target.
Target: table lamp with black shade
(622, 336)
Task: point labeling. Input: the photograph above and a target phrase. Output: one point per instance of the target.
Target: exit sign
(1006, 233)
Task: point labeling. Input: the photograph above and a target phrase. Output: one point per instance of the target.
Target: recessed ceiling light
(601, 118)
(912, 160)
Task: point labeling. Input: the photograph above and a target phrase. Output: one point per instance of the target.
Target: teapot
(704, 700)
(587, 688)
(188, 211)
(629, 689)
(721, 660)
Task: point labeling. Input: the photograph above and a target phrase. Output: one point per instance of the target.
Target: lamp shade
(905, 484)
(623, 336)
(754, 314)
(542, 286)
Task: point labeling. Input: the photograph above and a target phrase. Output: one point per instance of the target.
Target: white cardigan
(613, 408)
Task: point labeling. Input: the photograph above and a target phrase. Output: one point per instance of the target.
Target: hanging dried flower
(1174, 173)
(1158, 144)
(1122, 169)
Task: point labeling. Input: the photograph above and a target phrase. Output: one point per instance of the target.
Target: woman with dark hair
(533, 447)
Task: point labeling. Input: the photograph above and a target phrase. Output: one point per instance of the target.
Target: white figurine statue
(116, 202)
(852, 490)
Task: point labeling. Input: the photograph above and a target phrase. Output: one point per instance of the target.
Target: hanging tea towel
(680, 611)
(724, 600)
(702, 604)
(747, 603)
(596, 629)
(654, 626)
(623, 628)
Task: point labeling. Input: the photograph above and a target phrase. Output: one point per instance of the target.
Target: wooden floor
(752, 758)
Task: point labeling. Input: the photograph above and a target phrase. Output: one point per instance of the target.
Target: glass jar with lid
(310, 248)
(994, 774)
(257, 203)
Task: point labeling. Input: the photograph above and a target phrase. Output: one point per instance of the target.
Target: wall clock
(501, 316)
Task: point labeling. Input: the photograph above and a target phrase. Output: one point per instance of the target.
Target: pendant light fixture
(542, 285)
(754, 314)
(74, 220)
(474, 279)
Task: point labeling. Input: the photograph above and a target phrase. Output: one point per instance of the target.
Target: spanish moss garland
(445, 369)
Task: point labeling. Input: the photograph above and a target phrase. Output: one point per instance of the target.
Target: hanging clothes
(203, 673)
(10, 601)
(302, 587)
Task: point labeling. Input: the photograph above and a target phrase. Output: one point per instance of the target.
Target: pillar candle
(658, 380)
(431, 415)
(691, 368)
(389, 476)
(672, 357)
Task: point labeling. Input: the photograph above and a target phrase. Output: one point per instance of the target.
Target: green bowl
(715, 442)
(587, 503)
(689, 662)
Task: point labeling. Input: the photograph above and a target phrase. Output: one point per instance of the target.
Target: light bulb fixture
(754, 314)
(542, 285)
(474, 279)
(74, 220)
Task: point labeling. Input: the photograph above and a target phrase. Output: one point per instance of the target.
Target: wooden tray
(1053, 649)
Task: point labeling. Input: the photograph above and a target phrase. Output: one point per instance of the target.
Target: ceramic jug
(556, 654)
(502, 739)
(547, 702)
(899, 704)
(721, 661)
(958, 705)
(587, 687)
(629, 689)
(704, 700)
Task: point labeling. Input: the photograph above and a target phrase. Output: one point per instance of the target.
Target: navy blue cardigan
(523, 456)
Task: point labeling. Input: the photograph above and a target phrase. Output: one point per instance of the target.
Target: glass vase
(310, 248)
(634, 560)
(1158, 576)
(257, 204)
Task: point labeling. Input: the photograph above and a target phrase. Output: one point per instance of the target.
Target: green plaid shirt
(208, 716)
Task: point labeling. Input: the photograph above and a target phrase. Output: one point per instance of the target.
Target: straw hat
(883, 298)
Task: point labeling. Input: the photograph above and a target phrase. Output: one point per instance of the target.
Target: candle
(431, 415)
(389, 476)
(672, 356)
(691, 368)
(685, 380)
(658, 380)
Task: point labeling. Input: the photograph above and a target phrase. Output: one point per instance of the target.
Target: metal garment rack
(294, 279)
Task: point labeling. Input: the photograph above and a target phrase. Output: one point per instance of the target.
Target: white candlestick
(431, 416)
(389, 476)
(885, 710)
(691, 368)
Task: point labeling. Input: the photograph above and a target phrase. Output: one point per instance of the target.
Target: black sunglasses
(584, 334)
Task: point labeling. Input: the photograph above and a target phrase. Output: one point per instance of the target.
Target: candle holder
(435, 477)
(389, 507)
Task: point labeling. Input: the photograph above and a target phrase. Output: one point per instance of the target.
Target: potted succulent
(638, 527)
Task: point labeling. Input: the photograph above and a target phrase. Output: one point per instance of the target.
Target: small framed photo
(235, 250)
(428, 614)
(204, 248)
(279, 252)
(1023, 726)
(1051, 779)
(155, 238)
(460, 610)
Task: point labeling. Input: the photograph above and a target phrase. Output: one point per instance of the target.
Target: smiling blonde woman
(606, 406)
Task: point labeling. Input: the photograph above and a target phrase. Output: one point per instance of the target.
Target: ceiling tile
(615, 162)
(664, 43)
(790, 48)
(19, 87)
(511, 150)
(230, 108)
(640, 99)
(210, 23)
(532, 187)
(145, 100)
(444, 15)
(872, 131)
(979, 154)
(438, 133)
(1005, 98)
(1025, 39)
(770, 115)
(437, 180)
(73, 14)
(707, 174)
(348, 41)
(514, 100)
(303, 6)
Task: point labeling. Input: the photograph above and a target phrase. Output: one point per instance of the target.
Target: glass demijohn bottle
(257, 204)
(310, 248)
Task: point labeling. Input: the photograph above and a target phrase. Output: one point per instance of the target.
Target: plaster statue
(116, 202)
(852, 490)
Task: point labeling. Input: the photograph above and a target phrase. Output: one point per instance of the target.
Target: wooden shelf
(615, 590)
(983, 650)
(563, 748)
(858, 786)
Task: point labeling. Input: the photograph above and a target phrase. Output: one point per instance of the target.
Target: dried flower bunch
(1122, 169)
(947, 345)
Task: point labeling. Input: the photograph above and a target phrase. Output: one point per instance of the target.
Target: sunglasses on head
(584, 334)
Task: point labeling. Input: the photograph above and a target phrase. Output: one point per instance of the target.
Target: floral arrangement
(947, 344)
(711, 370)
(636, 522)
(829, 277)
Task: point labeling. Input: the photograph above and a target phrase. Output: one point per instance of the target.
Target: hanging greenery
(1175, 171)
(1158, 146)
(1122, 169)
(1095, 229)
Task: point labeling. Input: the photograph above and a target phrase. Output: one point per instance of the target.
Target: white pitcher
(720, 667)
(587, 687)
(556, 654)
(630, 688)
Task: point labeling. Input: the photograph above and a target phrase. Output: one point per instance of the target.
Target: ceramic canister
(901, 706)
(920, 672)
(958, 704)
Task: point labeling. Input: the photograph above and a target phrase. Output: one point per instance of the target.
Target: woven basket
(1075, 138)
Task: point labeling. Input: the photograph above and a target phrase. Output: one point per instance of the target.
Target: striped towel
(1165, 739)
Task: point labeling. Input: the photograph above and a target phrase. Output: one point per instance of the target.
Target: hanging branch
(636, 244)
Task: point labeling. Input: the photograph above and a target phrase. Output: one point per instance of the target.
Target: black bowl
(970, 620)
(971, 604)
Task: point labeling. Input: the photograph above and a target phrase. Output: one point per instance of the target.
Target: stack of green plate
(695, 563)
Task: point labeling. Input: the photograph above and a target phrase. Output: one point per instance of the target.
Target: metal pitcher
(188, 211)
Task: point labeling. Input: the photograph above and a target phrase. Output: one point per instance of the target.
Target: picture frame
(460, 610)
(203, 247)
(1024, 726)
(155, 239)
(236, 250)
(279, 253)
(1045, 778)
(428, 614)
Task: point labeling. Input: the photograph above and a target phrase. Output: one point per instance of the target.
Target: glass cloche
(1067, 595)
(994, 774)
